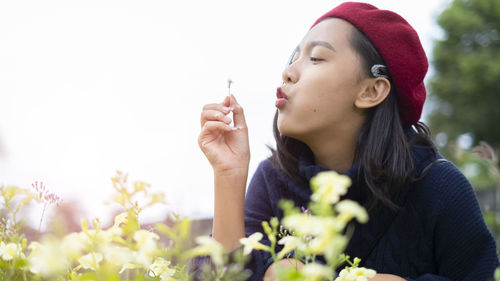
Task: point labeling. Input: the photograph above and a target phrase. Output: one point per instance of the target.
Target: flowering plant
(307, 233)
(125, 251)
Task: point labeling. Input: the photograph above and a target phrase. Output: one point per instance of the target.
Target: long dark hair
(383, 146)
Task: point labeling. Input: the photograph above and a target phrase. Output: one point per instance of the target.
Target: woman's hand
(270, 274)
(386, 277)
(225, 147)
(227, 150)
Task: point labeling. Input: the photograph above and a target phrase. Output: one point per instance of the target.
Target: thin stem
(40, 223)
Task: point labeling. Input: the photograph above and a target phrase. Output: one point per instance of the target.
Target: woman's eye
(313, 59)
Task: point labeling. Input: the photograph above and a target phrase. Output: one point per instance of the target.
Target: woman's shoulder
(269, 169)
(441, 175)
(266, 175)
(433, 171)
(443, 185)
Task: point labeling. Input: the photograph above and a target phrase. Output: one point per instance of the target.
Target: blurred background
(91, 87)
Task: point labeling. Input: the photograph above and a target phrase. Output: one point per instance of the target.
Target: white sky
(91, 87)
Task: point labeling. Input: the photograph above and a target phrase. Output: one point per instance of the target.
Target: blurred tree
(466, 83)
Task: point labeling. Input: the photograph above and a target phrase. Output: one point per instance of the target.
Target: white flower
(10, 251)
(208, 246)
(252, 242)
(356, 274)
(91, 261)
(100, 236)
(47, 259)
(147, 247)
(349, 209)
(117, 255)
(160, 269)
(143, 237)
(75, 243)
(291, 243)
(316, 272)
(329, 186)
(305, 224)
(330, 245)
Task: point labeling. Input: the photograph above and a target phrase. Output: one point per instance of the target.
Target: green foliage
(479, 165)
(318, 230)
(122, 252)
(125, 251)
(467, 70)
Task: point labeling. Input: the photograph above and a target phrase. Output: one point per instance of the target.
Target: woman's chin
(288, 131)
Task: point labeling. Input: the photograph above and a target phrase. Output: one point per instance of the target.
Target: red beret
(399, 46)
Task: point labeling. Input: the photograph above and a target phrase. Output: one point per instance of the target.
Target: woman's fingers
(214, 115)
(217, 106)
(209, 128)
(217, 112)
(238, 116)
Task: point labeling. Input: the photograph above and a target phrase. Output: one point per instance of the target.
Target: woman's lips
(280, 102)
(282, 99)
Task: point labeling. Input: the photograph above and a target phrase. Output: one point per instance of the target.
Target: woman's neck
(334, 151)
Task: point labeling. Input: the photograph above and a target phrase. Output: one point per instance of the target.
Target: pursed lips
(281, 98)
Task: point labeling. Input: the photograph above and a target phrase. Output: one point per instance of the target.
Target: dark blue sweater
(438, 234)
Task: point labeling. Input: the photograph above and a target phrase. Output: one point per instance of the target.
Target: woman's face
(321, 83)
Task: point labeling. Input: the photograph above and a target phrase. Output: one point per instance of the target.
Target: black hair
(383, 145)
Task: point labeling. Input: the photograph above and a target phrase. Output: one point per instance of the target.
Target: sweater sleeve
(464, 248)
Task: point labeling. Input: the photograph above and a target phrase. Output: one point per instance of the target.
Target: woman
(351, 101)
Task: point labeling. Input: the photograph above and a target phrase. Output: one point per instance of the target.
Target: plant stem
(40, 223)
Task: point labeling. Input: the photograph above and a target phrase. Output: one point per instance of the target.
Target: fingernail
(227, 119)
(225, 108)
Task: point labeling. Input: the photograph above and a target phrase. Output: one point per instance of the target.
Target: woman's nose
(289, 75)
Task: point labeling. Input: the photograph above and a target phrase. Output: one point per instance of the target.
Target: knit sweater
(438, 234)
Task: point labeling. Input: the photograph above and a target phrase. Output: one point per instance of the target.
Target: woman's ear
(374, 93)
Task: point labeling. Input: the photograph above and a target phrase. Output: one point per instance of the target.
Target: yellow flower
(356, 274)
(8, 192)
(47, 259)
(316, 272)
(208, 246)
(304, 224)
(143, 237)
(329, 186)
(74, 244)
(121, 218)
(160, 269)
(91, 261)
(100, 236)
(349, 209)
(10, 251)
(330, 244)
(291, 243)
(129, 266)
(117, 255)
(146, 247)
(252, 243)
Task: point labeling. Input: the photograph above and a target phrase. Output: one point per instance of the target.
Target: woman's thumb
(238, 115)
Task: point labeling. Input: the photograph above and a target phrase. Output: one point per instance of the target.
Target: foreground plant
(318, 230)
(126, 252)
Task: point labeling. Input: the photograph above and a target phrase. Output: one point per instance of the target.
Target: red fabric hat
(400, 47)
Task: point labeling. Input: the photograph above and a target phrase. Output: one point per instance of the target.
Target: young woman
(351, 101)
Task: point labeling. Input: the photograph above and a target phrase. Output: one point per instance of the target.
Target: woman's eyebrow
(317, 43)
(311, 45)
(321, 43)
